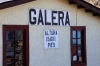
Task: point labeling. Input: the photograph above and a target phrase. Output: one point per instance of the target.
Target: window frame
(16, 27)
(13, 3)
(84, 45)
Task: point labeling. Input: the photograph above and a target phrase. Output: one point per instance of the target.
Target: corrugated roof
(95, 3)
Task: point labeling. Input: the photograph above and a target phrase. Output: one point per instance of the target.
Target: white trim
(1, 1)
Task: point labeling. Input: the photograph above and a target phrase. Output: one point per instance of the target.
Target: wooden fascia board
(13, 3)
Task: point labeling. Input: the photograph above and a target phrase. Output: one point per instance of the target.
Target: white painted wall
(19, 15)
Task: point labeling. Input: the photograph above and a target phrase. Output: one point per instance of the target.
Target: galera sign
(49, 17)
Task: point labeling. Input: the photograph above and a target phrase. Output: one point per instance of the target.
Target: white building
(49, 33)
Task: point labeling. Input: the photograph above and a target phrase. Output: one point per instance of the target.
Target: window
(78, 46)
(9, 3)
(15, 45)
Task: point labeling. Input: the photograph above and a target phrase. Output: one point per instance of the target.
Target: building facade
(49, 33)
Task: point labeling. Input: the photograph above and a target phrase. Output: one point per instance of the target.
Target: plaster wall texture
(38, 56)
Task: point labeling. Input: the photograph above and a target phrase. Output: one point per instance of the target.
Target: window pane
(19, 35)
(19, 45)
(9, 46)
(9, 63)
(79, 51)
(9, 56)
(78, 34)
(79, 42)
(73, 34)
(80, 59)
(19, 55)
(19, 63)
(79, 54)
(74, 41)
(75, 58)
(10, 35)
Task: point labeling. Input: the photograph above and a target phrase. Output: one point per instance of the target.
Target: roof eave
(87, 6)
(13, 3)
